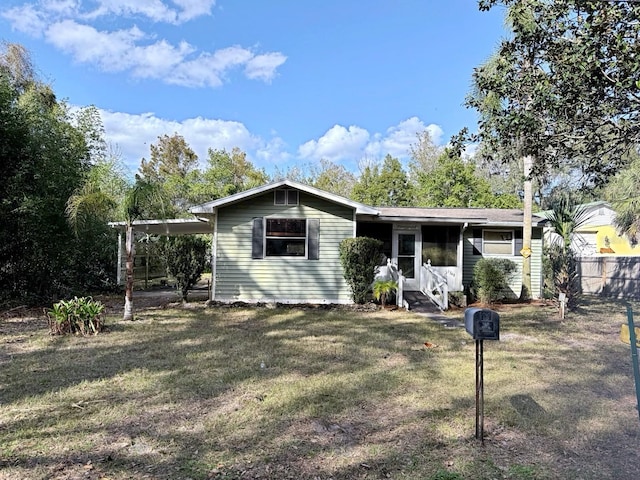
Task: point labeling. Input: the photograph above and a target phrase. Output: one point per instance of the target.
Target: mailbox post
(482, 324)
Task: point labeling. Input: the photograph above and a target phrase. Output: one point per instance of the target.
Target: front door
(406, 253)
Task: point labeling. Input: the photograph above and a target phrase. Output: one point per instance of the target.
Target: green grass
(234, 393)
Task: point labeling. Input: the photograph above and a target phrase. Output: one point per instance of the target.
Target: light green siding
(281, 279)
(516, 279)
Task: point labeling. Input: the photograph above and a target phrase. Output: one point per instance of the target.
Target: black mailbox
(482, 323)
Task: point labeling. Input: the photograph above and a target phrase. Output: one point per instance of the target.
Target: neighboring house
(280, 242)
(607, 261)
(598, 235)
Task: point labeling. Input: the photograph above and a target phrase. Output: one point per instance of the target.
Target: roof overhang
(210, 208)
(172, 226)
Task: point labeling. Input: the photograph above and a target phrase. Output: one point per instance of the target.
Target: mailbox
(482, 323)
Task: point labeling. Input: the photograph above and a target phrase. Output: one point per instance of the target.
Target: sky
(289, 82)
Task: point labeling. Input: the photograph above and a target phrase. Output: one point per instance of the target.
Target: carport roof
(171, 226)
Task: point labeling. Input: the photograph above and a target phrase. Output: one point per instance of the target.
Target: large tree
(174, 165)
(561, 90)
(44, 158)
(385, 185)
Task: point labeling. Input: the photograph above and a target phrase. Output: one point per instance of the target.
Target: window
(440, 245)
(285, 197)
(497, 242)
(286, 237)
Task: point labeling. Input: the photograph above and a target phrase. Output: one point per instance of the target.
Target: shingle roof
(495, 216)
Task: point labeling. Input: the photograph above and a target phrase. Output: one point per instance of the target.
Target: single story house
(280, 243)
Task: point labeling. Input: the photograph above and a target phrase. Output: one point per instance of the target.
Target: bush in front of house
(186, 259)
(359, 258)
(78, 316)
(491, 278)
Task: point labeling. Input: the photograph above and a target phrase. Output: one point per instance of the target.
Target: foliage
(359, 257)
(383, 289)
(77, 316)
(325, 175)
(622, 193)
(44, 159)
(452, 182)
(490, 278)
(227, 173)
(563, 87)
(566, 218)
(385, 185)
(172, 164)
(424, 155)
(186, 259)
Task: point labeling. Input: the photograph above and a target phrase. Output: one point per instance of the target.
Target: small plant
(383, 289)
(490, 278)
(78, 316)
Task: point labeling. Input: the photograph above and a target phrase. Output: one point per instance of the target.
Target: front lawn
(244, 393)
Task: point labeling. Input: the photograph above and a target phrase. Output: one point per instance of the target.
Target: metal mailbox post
(482, 324)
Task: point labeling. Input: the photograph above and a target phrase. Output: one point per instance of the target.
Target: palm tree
(97, 197)
(566, 218)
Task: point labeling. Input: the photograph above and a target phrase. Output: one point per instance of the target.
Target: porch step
(421, 304)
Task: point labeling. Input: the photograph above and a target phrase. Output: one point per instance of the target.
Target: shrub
(79, 316)
(359, 257)
(384, 289)
(490, 278)
(186, 258)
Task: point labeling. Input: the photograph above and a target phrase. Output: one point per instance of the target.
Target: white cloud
(339, 143)
(68, 28)
(132, 136)
(26, 19)
(263, 67)
(355, 143)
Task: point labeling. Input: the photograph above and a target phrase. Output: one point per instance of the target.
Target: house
(598, 234)
(280, 243)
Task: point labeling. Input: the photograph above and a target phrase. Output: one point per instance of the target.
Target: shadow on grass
(248, 393)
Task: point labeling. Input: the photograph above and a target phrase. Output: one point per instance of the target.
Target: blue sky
(287, 81)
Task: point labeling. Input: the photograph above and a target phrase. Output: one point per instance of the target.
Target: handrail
(434, 286)
(396, 276)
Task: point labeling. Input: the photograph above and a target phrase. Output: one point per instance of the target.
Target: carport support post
(479, 391)
(634, 355)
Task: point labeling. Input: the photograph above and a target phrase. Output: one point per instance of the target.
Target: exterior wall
(516, 279)
(239, 277)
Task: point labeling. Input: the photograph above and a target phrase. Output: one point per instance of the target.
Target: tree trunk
(128, 294)
(525, 293)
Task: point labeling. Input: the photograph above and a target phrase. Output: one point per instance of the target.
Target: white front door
(407, 253)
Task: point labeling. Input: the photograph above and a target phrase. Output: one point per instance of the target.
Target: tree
(384, 186)
(44, 158)
(174, 165)
(228, 173)
(452, 182)
(566, 218)
(136, 201)
(186, 258)
(331, 177)
(424, 155)
(622, 194)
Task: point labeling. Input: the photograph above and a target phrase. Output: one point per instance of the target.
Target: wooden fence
(610, 276)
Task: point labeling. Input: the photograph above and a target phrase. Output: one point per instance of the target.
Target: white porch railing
(434, 286)
(391, 272)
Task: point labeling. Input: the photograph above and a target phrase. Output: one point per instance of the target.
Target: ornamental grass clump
(80, 316)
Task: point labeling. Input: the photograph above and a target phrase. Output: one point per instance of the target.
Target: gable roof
(211, 207)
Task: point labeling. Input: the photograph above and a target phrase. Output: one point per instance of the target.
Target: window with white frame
(285, 237)
(497, 242)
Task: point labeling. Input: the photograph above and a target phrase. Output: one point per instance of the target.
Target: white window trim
(305, 238)
(496, 242)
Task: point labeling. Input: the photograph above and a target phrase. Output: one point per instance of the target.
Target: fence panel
(610, 276)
